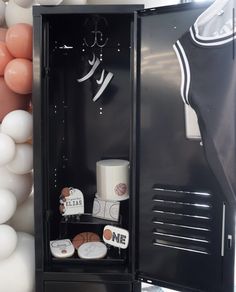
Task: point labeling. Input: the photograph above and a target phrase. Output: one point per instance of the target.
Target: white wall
(148, 3)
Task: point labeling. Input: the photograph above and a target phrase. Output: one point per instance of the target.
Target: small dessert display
(84, 237)
(109, 210)
(112, 189)
(92, 250)
(115, 236)
(71, 202)
(113, 179)
(62, 248)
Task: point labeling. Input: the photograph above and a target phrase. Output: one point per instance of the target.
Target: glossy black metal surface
(38, 152)
(89, 9)
(72, 133)
(87, 287)
(180, 240)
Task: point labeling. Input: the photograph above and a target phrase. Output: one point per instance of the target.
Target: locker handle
(229, 241)
(223, 232)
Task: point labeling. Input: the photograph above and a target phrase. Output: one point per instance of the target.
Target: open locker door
(182, 217)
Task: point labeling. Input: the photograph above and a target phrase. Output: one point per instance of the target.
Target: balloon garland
(17, 259)
(16, 153)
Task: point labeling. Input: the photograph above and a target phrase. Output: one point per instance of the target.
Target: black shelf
(106, 261)
(88, 219)
(114, 256)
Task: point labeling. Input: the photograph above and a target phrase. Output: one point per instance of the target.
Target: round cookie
(92, 250)
(84, 237)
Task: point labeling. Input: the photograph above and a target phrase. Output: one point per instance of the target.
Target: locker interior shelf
(113, 257)
(88, 219)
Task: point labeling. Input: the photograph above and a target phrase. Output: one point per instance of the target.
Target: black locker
(176, 215)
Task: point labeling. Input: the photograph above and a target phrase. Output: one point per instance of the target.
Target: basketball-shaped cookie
(84, 237)
(65, 192)
(107, 234)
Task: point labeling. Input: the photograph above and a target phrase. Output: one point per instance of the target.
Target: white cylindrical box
(113, 179)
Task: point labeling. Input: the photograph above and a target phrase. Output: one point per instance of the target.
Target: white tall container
(113, 179)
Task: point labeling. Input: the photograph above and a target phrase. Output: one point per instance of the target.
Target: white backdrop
(148, 3)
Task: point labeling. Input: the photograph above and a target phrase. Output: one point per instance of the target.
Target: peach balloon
(3, 32)
(10, 101)
(18, 75)
(19, 40)
(5, 57)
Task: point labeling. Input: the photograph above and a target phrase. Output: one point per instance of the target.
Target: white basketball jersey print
(207, 56)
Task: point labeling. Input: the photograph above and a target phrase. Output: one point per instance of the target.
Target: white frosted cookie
(106, 209)
(116, 236)
(62, 248)
(92, 250)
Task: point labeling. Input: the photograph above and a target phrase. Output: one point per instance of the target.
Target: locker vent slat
(182, 220)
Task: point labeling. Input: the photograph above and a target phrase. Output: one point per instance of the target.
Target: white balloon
(24, 3)
(19, 185)
(74, 2)
(18, 125)
(8, 239)
(23, 219)
(49, 2)
(16, 14)
(7, 149)
(23, 159)
(17, 271)
(2, 12)
(8, 205)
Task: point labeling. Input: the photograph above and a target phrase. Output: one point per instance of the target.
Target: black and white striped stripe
(185, 71)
